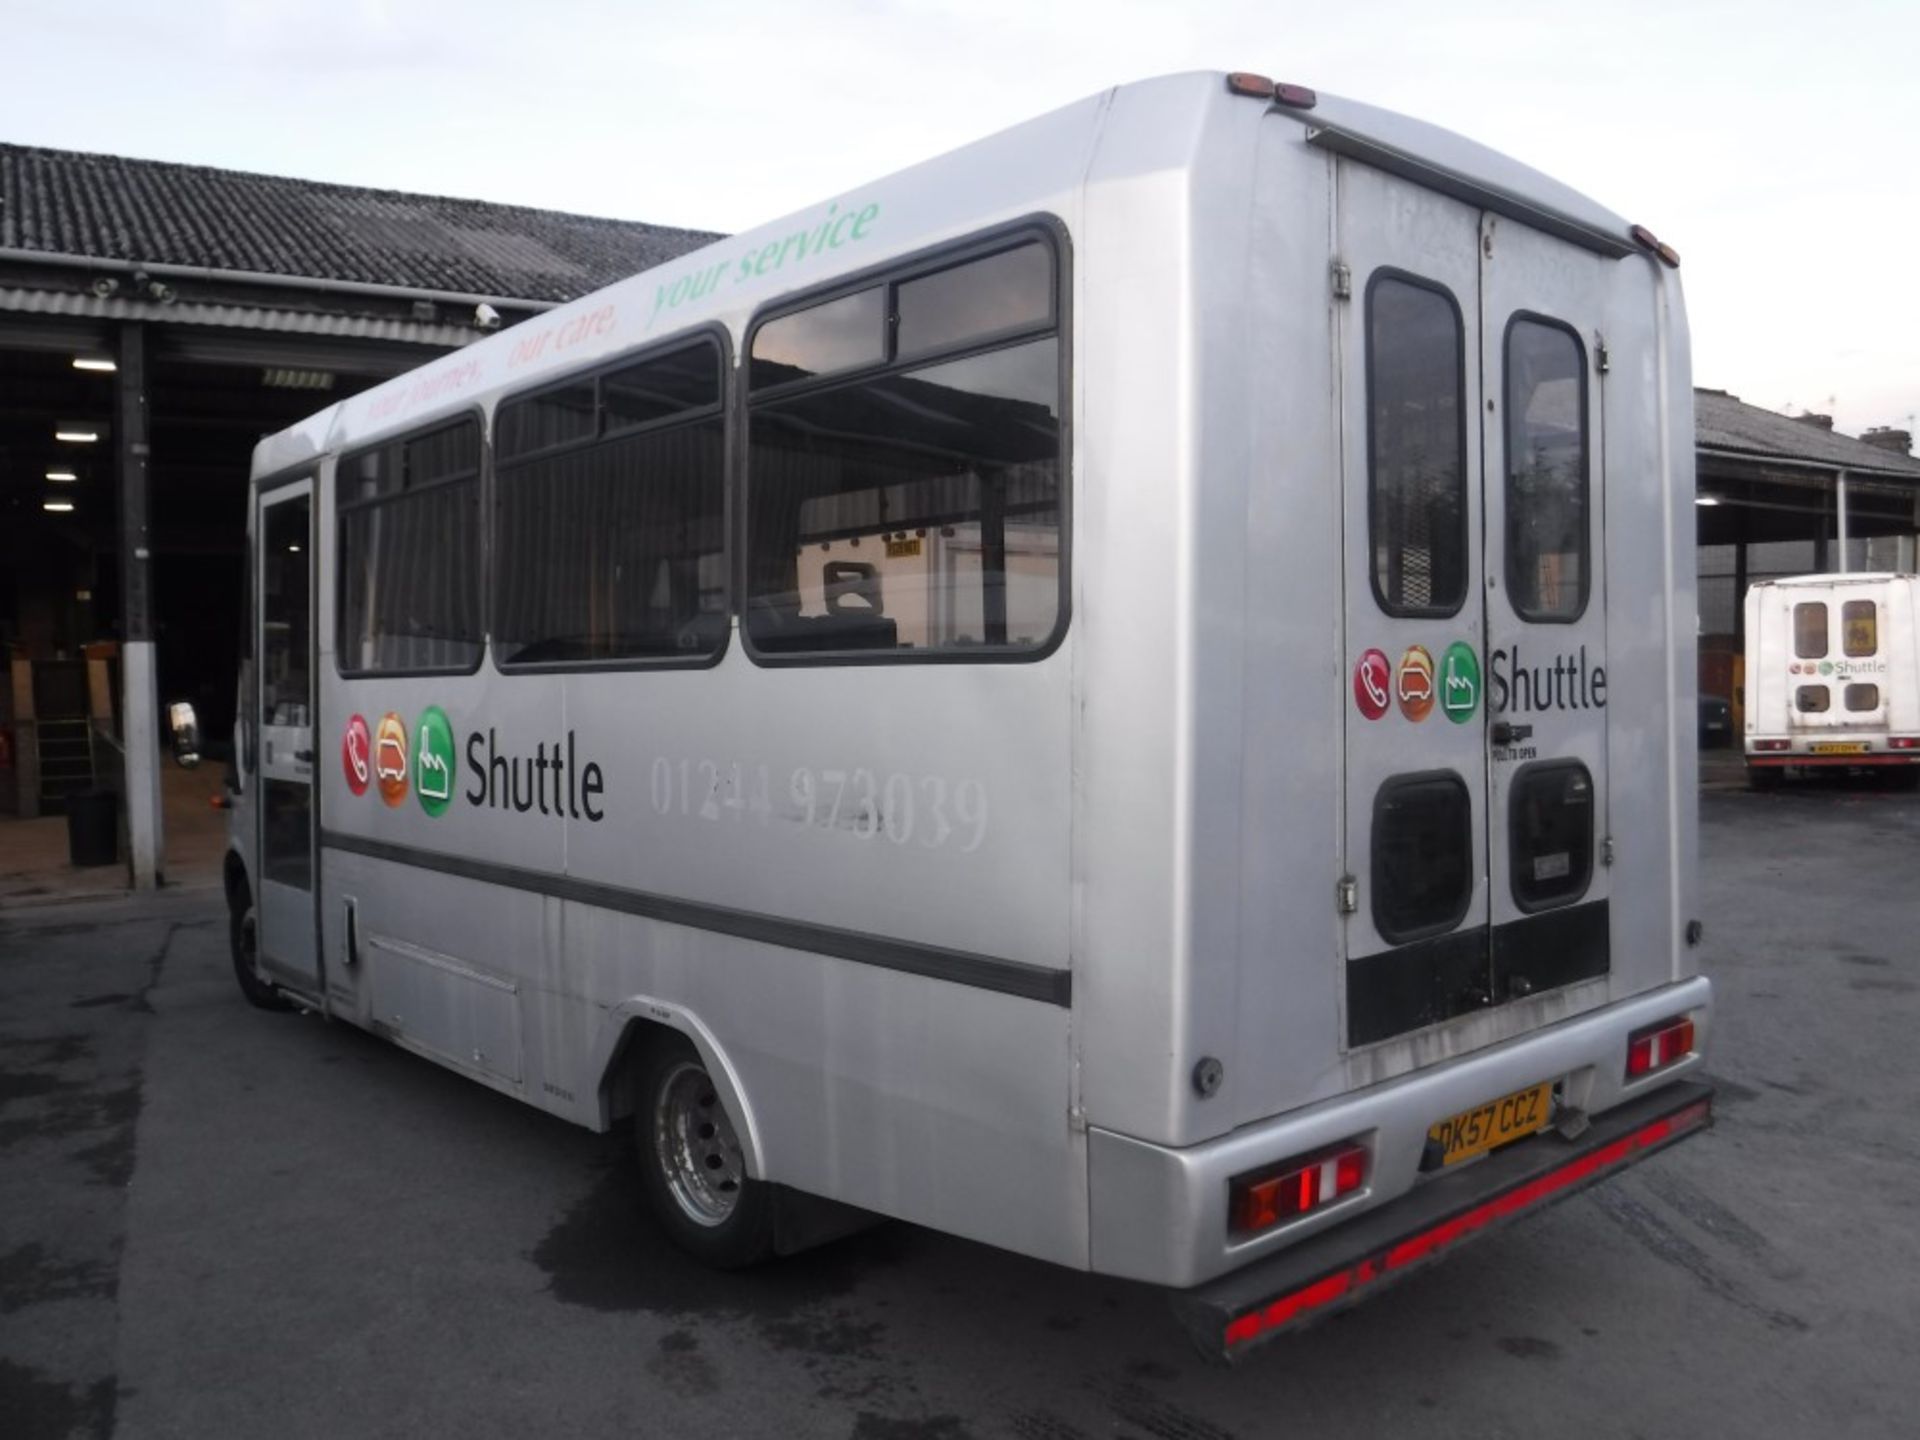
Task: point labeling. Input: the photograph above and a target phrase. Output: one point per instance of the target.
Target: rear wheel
(243, 937)
(692, 1165)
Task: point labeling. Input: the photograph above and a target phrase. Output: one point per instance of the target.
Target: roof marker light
(1297, 97)
(1245, 82)
(1646, 239)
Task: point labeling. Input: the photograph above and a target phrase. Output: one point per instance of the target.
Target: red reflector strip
(1425, 1244)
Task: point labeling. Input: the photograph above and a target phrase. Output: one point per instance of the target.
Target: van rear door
(1474, 610)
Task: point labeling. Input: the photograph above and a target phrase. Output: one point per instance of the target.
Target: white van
(1833, 676)
(1126, 692)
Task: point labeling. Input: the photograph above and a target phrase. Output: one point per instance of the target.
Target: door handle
(1505, 732)
(304, 757)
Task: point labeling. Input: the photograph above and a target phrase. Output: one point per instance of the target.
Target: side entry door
(284, 604)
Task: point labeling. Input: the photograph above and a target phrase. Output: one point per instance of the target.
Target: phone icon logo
(355, 746)
(1372, 674)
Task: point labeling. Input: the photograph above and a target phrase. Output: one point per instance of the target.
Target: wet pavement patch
(607, 1254)
(29, 1276)
(39, 1408)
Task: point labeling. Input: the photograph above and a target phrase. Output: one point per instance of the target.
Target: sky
(1773, 144)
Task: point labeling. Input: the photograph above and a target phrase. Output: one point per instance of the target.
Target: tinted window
(1863, 697)
(1812, 699)
(917, 511)
(1010, 291)
(1416, 448)
(1422, 855)
(409, 547)
(541, 421)
(841, 334)
(1550, 834)
(1859, 627)
(614, 549)
(1546, 495)
(1810, 630)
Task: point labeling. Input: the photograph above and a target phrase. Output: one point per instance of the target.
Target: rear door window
(1422, 855)
(1810, 630)
(1550, 830)
(1859, 628)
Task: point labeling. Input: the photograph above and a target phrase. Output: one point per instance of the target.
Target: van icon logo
(390, 758)
(1371, 675)
(433, 761)
(1459, 682)
(1414, 684)
(356, 755)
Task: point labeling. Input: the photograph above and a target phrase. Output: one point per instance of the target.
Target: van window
(1810, 630)
(1416, 447)
(610, 535)
(1812, 699)
(1550, 834)
(1863, 697)
(1422, 855)
(1546, 482)
(915, 512)
(1859, 627)
(409, 554)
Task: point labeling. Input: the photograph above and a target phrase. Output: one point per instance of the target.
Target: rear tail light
(1263, 1199)
(1904, 742)
(1772, 744)
(1658, 1046)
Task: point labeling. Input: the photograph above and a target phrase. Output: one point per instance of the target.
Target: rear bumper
(1159, 1213)
(1231, 1315)
(1782, 759)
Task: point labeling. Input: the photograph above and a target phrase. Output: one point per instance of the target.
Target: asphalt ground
(216, 1222)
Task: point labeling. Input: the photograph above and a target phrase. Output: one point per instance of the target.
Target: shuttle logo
(1371, 675)
(1460, 682)
(433, 761)
(1414, 685)
(390, 759)
(356, 752)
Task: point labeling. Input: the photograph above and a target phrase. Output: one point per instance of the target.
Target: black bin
(93, 827)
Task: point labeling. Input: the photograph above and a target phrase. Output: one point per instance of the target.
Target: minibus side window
(914, 511)
(1416, 447)
(610, 516)
(1810, 630)
(1859, 628)
(1546, 495)
(409, 554)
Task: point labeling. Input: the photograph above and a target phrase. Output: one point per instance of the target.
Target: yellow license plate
(1833, 749)
(1476, 1131)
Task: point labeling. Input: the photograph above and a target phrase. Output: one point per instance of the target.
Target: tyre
(692, 1166)
(243, 936)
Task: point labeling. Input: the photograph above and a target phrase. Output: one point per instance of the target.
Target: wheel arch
(632, 1025)
(235, 880)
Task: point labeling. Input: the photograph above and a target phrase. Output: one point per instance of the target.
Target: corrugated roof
(1722, 422)
(108, 207)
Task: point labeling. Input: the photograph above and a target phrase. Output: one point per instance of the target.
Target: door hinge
(1347, 895)
(1601, 357)
(1606, 850)
(1342, 281)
